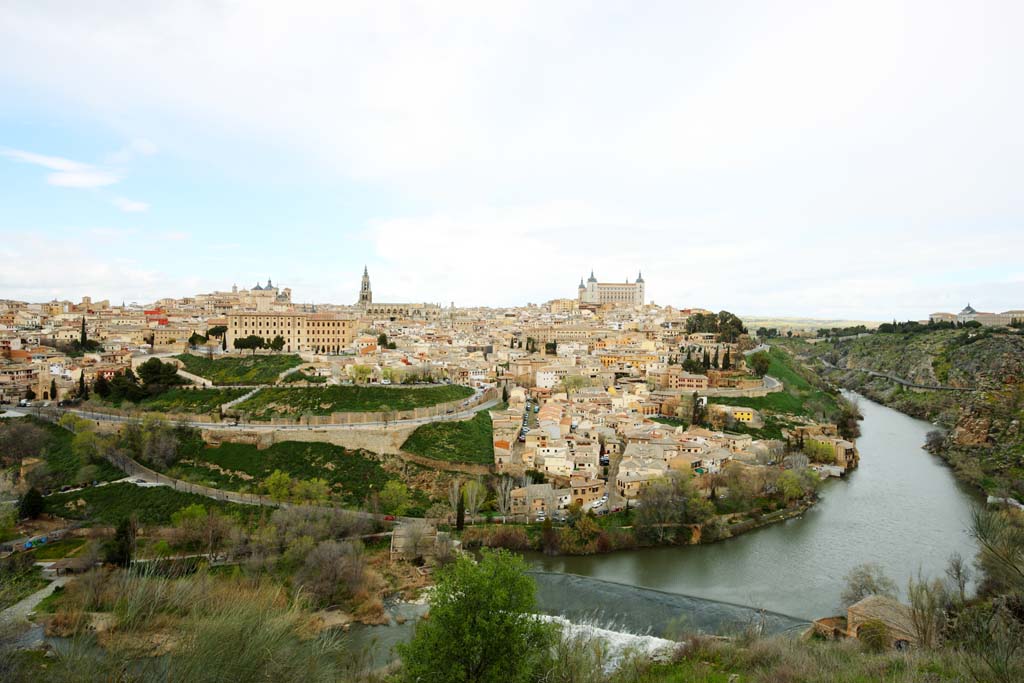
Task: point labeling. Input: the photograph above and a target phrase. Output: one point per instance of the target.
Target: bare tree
(927, 610)
(796, 461)
(864, 580)
(959, 572)
(474, 493)
(503, 495)
(333, 571)
(414, 532)
(454, 495)
(550, 501)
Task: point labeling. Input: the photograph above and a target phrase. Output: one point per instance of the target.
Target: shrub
(874, 635)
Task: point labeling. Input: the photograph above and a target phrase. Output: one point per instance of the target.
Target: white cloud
(67, 173)
(136, 148)
(175, 236)
(130, 205)
(800, 157)
(83, 179)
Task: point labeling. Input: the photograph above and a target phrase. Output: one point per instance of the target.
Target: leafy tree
(789, 485)
(278, 485)
(360, 373)
(395, 497)
(156, 375)
(88, 446)
(101, 386)
(315, 490)
(760, 362)
(481, 627)
(124, 386)
(196, 339)
(277, 343)
(253, 342)
(29, 394)
(217, 331)
(31, 504)
(694, 367)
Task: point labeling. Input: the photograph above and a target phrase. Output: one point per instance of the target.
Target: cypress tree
(83, 391)
(53, 390)
(715, 361)
(82, 338)
(706, 361)
(31, 504)
(726, 362)
(460, 514)
(119, 551)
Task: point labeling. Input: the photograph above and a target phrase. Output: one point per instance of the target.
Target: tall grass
(196, 628)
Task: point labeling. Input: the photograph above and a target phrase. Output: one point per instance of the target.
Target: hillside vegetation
(239, 369)
(459, 441)
(981, 434)
(292, 402)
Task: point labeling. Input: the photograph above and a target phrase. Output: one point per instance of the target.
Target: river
(902, 509)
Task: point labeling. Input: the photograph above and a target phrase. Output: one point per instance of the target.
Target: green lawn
(62, 464)
(242, 467)
(57, 549)
(239, 369)
(114, 502)
(465, 441)
(295, 401)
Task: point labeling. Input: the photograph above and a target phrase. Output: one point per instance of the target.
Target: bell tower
(365, 293)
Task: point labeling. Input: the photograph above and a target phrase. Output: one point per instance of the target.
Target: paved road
(19, 611)
(900, 380)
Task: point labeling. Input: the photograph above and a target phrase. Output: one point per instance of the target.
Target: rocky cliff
(981, 432)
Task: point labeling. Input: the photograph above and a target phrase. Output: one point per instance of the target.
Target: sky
(854, 160)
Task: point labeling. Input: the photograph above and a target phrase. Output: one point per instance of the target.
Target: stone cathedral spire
(365, 293)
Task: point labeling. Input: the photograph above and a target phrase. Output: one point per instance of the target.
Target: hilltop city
(582, 378)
